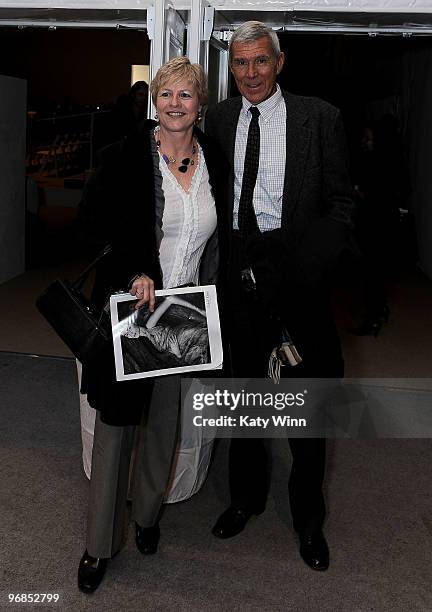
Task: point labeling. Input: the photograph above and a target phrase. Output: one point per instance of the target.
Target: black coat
(118, 207)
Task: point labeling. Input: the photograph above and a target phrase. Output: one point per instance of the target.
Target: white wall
(418, 80)
(13, 94)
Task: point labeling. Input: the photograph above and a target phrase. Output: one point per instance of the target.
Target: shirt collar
(265, 108)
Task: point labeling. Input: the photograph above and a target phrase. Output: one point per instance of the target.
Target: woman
(154, 199)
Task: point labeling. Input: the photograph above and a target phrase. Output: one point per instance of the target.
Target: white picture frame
(182, 334)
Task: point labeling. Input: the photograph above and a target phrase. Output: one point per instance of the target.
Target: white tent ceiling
(88, 17)
(370, 6)
(356, 6)
(417, 23)
(413, 16)
(77, 4)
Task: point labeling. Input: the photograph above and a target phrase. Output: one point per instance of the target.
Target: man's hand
(268, 270)
(143, 289)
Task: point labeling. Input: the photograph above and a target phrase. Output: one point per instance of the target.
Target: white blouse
(189, 219)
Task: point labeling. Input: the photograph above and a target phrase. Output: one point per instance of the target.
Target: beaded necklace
(169, 159)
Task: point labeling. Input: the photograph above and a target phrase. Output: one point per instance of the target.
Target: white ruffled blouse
(189, 219)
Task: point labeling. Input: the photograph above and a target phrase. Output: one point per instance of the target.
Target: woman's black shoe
(372, 323)
(147, 539)
(91, 571)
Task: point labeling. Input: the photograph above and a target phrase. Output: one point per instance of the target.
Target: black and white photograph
(182, 334)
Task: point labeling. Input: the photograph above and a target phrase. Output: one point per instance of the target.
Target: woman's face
(177, 105)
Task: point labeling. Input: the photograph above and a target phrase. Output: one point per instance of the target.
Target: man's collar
(266, 107)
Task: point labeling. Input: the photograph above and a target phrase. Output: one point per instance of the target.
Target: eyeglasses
(259, 63)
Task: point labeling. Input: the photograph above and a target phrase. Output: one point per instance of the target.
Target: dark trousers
(249, 481)
(253, 335)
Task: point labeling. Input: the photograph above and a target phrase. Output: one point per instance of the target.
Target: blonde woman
(156, 199)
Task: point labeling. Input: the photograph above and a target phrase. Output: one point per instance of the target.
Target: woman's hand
(143, 289)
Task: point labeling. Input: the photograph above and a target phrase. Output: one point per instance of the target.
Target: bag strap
(79, 282)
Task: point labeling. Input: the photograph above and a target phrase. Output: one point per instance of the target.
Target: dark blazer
(118, 207)
(293, 263)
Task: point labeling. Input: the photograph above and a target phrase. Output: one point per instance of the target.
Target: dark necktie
(247, 222)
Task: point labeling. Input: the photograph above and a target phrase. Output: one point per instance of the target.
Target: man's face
(255, 68)
(140, 98)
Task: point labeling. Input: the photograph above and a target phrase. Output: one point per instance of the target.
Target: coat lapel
(212, 167)
(297, 150)
(230, 131)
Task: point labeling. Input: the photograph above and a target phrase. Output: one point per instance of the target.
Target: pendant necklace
(185, 162)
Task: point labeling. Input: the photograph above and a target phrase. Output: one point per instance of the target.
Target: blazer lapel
(297, 150)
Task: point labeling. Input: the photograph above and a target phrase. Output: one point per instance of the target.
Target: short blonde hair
(179, 69)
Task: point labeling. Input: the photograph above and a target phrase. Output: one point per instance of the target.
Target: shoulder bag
(83, 329)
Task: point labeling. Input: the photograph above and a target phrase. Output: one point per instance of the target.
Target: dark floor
(379, 524)
(379, 492)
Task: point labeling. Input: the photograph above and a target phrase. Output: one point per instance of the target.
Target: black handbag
(84, 330)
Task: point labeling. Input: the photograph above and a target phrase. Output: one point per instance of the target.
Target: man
(290, 209)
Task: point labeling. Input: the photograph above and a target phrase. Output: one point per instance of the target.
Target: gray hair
(250, 31)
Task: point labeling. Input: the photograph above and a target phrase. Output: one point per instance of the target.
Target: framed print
(181, 335)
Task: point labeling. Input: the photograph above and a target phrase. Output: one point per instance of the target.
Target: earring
(199, 116)
(156, 117)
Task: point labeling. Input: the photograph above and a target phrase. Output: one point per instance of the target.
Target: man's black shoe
(231, 522)
(91, 571)
(147, 539)
(314, 550)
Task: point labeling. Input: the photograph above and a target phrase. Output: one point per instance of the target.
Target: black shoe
(314, 550)
(147, 539)
(231, 522)
(91, 571)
